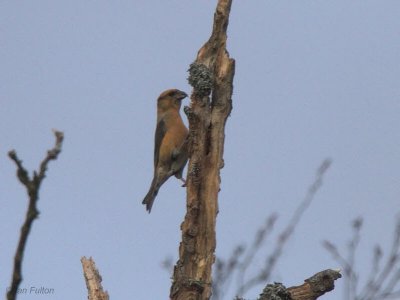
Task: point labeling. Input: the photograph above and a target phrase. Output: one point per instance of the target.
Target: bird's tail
(151, 195)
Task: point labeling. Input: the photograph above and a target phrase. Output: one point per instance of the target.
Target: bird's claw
(184, 182)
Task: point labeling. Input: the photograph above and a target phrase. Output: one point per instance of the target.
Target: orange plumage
(170, 149)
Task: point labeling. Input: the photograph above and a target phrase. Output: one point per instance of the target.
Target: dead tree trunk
(211, 74)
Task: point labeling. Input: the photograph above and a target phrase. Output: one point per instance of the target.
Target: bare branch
(336, 254)
(351, 287)
(271, 260)
(381, 283)
(223, 271)
(315, 286)
(93, 280)
(377, 256)
(32, 187)
(260, 237)
(390, 272)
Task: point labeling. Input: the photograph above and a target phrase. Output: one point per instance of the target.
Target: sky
(314, 79)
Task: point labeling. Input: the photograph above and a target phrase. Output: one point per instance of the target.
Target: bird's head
(170, 98)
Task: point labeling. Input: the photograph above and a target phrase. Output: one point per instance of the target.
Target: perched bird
(170, 149)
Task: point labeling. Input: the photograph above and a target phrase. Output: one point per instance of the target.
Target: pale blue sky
(314, 79)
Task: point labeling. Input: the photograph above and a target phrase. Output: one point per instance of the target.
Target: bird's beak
(182, 95)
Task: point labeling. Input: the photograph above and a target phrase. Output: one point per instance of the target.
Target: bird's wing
(182, 150)
(179, 159)
(160, 133)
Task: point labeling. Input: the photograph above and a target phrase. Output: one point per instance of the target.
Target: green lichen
(201, 79)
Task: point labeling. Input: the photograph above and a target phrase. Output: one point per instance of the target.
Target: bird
(170, 143)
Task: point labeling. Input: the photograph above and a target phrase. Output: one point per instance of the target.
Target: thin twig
(32, 187)
(381, 283)
(224, 270)
(393, 295)
(259, 239)
(272, 259)
(348, 264)
(352, 246)
(394, 281)
(391, 262)
(370, 287)
(333, 250)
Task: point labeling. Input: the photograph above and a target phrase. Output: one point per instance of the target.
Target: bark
(313, 287)
(32, 185)
(211, 74)
(93, 280)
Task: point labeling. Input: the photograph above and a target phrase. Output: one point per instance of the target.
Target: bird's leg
(184, 182)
